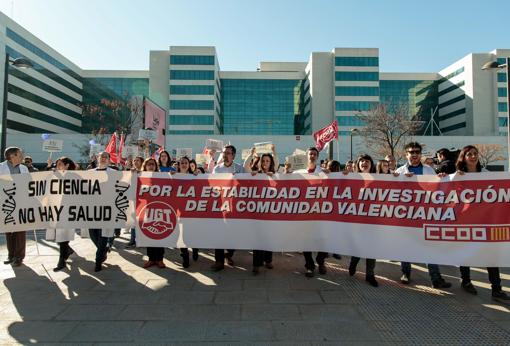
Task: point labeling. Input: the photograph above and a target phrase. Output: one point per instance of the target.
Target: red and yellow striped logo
(499, 233)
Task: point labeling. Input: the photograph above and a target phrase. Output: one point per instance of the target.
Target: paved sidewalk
(125, 303)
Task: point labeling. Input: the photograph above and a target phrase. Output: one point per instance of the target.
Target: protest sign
(181, 152)
(297, 161)
(263, 147)
(53, 145)
(213, 144)
(201, 159)
(130, 150)
(245, 153)
(149, 135)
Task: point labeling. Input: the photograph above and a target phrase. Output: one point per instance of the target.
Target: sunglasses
(417, 152)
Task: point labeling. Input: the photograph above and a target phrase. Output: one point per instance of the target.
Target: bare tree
(488, 153)
(386, 128)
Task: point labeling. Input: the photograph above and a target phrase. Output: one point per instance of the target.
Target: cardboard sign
(264, 147)
(201, 159)
(245, 153)
(181, 152)
(53, 145)
(130, 150)
(299, 152)
(213, 144)
(149, 135)
(297, 161)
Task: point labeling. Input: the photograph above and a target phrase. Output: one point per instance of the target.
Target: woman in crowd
(136, 166)
(62, 236)
(193, 166)
(184, 168)
(468, 162)
(165, 164)
(383, 167)
(155, 254)
(263, 165)
(364, 164)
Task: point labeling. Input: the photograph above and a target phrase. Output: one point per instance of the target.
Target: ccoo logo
(157, 220)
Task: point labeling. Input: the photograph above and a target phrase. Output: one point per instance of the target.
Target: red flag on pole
(121, 148)
(111, 149)
(326, 135)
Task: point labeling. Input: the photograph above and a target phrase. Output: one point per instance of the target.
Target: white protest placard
(95, 149)
(201, 159)
(297, 161)
(53, 145)
(264, 147)
(130, 150)
(149, 135)
(181, 152)
(299, 152)
(245, 153)
(213, 144)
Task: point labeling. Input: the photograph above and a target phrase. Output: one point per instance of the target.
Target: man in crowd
(226, 166)
(16, 241)
(446, 164)
(28, 162)
(391, 162)
(412, 167)
(313, 168)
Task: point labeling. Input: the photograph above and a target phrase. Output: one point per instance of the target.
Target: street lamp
(352, 132)
(492, 65)
(19, 63)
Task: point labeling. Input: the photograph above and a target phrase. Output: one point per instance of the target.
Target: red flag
(111, 149)
(121, 148)
(326, 135)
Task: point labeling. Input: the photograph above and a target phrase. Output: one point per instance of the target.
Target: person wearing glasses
(414, 166)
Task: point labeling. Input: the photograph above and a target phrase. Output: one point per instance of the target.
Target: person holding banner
(136, 167)
(226, 166)
(100, 236)
(468, 162)
(16, 241)
(414, 166)
(165, 164)
(313, 168)
(382, 167)
(184, 168)
(155, 254)
(62, 236)
(364, 164)
(261, 257)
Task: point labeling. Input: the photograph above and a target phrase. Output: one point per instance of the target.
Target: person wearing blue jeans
(412, 167)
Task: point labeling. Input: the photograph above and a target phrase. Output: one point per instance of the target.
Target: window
(452, 101)
(503, 121)
(354, 105)
(356, 91)
(191, 104)
(192, 74)
(501, 77)
(192, 89)
(501, 92)
(190, 132)
(451, 88)
(502, 107)
(356, 76)
(192, 59)
(356, 61)
(350, 121)
(191, 120)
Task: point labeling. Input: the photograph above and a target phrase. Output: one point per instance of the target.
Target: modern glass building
(277, 98)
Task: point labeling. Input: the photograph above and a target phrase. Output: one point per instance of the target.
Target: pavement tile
(116, 331)
(169, 332)
(324, 330)
(268, 312)
(25, 332)
(91, 312)
(173, 312)
(294, 297)
(239, 331)
(242, 297)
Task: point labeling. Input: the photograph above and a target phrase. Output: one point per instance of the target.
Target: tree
(488, 153)
(386, 128)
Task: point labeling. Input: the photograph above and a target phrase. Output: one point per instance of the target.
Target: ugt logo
(157, 220)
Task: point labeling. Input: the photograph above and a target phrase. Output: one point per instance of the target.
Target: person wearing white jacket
(16, 241)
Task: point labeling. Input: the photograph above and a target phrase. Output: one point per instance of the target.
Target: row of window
(192, 59)
(192, 89)
(190, 132)
(356, 91)
(191, 119)
(451, 75)
(42, 54)
(356, 61)
(452, 101)
(350, 121)
(41, 116)
(501, 77)
(454, 127)
(15, 54)
(354, 105)
(503, 121)
(42, 101)
(501, 92)
(501, 60)
(192, 104)
(502, 107)
(356, 76)
(15, 125)
(452, 114)
(192, 74)
(451, 88)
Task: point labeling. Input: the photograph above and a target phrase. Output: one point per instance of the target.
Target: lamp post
(491, 65)
(20, 63)
(352, 132)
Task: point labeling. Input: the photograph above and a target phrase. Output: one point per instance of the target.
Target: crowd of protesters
(467, 161)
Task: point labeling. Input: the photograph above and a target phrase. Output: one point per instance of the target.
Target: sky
(412, 36)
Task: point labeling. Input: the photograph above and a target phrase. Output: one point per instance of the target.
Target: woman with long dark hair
(155, 254)
(364, 164)
(62, 236)
(468, 162)
(263, 165)
(164, 162)
(185, 168)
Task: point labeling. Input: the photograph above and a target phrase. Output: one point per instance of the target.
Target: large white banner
(74, 199)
